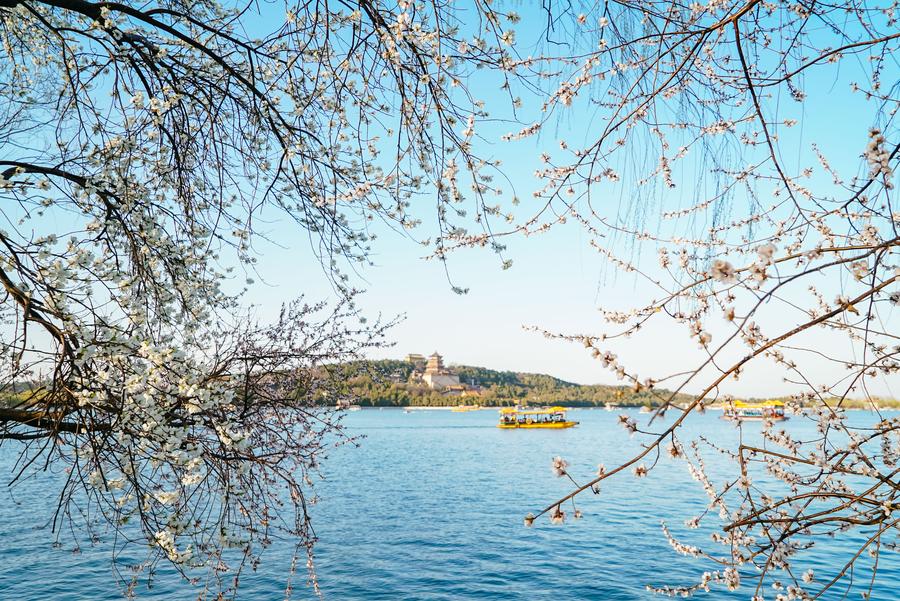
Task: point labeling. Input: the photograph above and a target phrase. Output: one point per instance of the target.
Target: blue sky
(557, 281)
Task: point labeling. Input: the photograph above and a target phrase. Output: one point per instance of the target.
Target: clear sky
(557, 281)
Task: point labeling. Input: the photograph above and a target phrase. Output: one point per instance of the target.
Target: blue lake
(430, 505)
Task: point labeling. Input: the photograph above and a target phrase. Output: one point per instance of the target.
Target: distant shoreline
(575, 408)
(393, 383)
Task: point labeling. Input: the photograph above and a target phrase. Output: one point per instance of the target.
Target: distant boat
(645, 409)
(610, 406)
(464, 408)
(770, 410)
(549, 417)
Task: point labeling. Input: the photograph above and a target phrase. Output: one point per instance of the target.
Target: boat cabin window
(538, 418)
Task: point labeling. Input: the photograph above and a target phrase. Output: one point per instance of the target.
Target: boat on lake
(770, 410)
(547, 417)
(464, 408)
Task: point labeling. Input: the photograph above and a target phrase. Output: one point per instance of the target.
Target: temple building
(434, 374)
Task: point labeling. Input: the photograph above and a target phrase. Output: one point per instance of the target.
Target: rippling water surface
(430, 506)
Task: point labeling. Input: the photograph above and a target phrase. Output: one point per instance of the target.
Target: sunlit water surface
(430, 506)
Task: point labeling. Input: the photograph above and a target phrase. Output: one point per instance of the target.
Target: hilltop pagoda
(433, 373)
(436, 375)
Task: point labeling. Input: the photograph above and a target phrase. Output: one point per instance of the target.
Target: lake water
(429, 506)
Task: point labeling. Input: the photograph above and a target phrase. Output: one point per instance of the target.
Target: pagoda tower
(435, 364)
(437, 376)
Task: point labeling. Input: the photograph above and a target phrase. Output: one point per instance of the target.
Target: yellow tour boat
(770, 410)
(548, 417)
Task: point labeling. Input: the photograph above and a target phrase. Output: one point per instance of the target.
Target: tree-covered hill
(386, 383)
